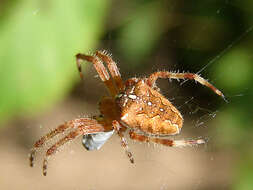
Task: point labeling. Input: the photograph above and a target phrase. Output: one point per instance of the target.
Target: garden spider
(135, 104)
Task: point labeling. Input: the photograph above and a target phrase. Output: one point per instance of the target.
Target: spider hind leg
(166, 142)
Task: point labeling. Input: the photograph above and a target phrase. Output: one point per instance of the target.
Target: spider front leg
(120, 130)
(60, 129)
(165, 74)
(101, 70)
(82, 129)
(166, 142)
(112, 68)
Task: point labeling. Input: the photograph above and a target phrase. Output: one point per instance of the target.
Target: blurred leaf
(39, 40)
(235, 70)
(232, 131)
(244, 175)
(144, 28)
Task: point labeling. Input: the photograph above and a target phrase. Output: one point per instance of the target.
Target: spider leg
(60, 129)
(101, 70)
(82, 129)
(112, 68)
(165, 74)
(120, 130)
(166, 142)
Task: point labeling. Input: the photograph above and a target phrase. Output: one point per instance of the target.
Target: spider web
(206, 113)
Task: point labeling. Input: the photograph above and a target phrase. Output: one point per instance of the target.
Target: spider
(135, 104)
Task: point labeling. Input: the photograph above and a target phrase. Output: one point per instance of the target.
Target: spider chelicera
(135, 104)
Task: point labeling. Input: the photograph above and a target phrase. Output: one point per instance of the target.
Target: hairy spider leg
(60, 129)
(165, 74)
(120, 131)
(82, 129)
(112, 68)
(166, 142)
(100, 68)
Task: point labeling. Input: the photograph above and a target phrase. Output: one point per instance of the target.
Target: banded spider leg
(167, 142)
(192, 76)
(81, 126)
(102, 71)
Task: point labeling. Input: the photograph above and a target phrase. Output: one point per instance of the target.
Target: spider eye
(118, 96)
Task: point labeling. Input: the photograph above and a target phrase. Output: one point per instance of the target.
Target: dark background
(40, 89)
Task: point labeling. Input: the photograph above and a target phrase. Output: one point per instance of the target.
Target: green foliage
(244, 175)
(38, 42)
(238, 67)
(235, 122)
(142, 30)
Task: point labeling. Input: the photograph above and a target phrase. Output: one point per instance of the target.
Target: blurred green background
(38, 75)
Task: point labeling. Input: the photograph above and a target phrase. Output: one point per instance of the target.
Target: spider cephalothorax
(135, 104)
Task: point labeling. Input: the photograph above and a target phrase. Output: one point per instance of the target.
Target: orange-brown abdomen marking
(147, 110)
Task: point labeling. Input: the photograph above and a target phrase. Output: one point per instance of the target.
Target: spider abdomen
(145, 109)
